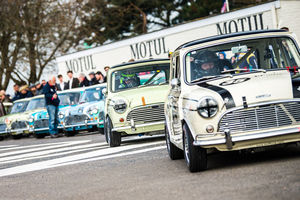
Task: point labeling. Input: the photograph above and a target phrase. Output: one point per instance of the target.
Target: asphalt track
(84, 167)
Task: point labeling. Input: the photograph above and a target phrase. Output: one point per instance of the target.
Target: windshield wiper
(210, 77)
(244, 70)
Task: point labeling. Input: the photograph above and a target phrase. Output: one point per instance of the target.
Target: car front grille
(19, 125)
(75, 119)
(41, 123)
(146, 114)
(2, 127)
(261, 117)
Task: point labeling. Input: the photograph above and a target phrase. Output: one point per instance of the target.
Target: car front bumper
(19, 131)
(228, 141)
(141, 128)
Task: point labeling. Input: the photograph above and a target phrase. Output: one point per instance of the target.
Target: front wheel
(113, 138)
(195, 157)
(174, 152)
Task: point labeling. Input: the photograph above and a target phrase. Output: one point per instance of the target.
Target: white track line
(40, 153)
(55, 154)
(77, 158)
(44, 148)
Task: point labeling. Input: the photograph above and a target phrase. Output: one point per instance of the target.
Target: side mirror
(104, 92)
(175, 82)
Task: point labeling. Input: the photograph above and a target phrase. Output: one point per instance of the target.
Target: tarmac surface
(84, 167)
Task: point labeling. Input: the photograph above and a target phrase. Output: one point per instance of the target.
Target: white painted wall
(266, 16)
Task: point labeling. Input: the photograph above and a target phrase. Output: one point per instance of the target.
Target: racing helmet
(207, 57)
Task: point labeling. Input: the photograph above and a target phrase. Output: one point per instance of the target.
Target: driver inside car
(205, 64)
(129, 80)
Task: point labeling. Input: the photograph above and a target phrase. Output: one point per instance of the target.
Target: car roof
(23, 99)
(140, 61)
(37, 97)
(219, 37)
(96, 86)
(79, 89)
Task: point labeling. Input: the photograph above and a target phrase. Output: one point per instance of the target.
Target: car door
(173, 98)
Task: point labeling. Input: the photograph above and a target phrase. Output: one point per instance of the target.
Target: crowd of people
(26, 91)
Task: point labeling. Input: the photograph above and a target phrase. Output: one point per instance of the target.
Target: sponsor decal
(234, 81)
(263, 96)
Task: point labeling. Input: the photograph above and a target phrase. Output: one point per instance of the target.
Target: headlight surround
(7, 121)
(61, 115)
(31, 119)
(207, 107)
(120, 106)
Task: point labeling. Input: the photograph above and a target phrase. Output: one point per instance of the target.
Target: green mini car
(135, 99)
(18, 107)
(19, 125)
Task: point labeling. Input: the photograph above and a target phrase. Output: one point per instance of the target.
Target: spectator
(83, 80)
(2, 108)
(16, 92)
(44, 83)
(93, 80)
(33, 89)
(73, 82)
(39, 88)
(61, 85)
(106, 68)
(24, 92)
(52, 102)
(99, 77)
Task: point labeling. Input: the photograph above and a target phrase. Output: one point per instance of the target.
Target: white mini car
(233, 92)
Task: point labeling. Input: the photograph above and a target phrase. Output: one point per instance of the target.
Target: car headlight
(31, 119)
(7, 121)
(120, 106)
(61, 115)
(95, 111)
(208, 107)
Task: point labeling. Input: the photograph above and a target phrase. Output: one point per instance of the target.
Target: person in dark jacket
(2, 108)
(24, 92)
(61, 85)
(83, 82)
(73, 82)
(16, 92)
(93, 80)
(52, 102)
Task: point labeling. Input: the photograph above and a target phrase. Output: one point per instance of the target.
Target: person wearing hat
(25, 93)
(93, 80)
(61, 85)
(39, 88)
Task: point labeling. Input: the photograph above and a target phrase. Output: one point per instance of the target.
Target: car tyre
(39, 136)
(174, 152)
(16, 137)
(195, 157)
(70, 133)
(113, 138)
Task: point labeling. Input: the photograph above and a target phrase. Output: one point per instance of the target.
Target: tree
(11, 35)
(32, 33)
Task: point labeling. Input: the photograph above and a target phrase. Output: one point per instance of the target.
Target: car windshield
(70, 98)
(240, 57)
(140, 77)
(36, 103)
(19, 107)
(91, 95)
